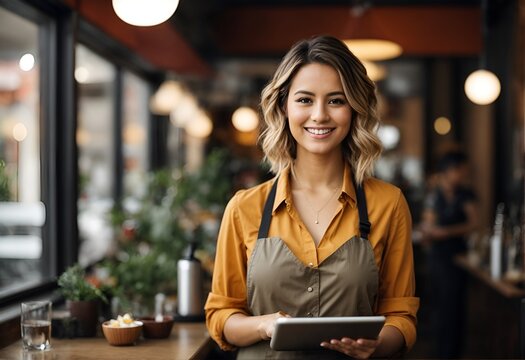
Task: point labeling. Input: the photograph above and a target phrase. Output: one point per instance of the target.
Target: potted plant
(5, 194)
(177, 208)
(82, 299)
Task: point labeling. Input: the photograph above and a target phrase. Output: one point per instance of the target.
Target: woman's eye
(337, 101)
(303, 100)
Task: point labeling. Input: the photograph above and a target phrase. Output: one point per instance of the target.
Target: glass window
(135, 129)
(95, 78)
(22, 214)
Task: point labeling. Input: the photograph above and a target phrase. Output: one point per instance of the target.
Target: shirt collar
(348, 185)
(284, 191)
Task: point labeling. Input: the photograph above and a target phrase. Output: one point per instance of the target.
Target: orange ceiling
(271, 30)
(421, 30)
(161, 45)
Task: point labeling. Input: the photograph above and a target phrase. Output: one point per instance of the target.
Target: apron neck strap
(267, 212)
(364, 224)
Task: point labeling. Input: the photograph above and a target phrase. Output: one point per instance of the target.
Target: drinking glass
(35, 324)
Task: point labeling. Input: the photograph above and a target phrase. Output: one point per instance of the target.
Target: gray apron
(345, 284)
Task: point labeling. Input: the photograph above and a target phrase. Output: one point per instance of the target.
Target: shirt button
(311, 264)
(310, 289)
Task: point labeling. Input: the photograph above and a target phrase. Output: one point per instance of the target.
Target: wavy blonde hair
(362, 147)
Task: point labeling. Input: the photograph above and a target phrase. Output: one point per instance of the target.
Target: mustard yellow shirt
(390, 238)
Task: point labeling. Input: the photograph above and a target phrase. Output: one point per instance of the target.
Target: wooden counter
(187, 341)
(493, 316)
(504, 288)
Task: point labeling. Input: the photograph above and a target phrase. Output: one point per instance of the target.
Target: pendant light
(245, 119)
(166, 98)
(201, 125)
(366, 41)
(145, 12)
(482, 86)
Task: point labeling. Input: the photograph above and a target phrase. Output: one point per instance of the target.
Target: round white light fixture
(389, 136)
(26, 62)
(245, 119)
(374, 49)
(167, 97)
(482, 87)
(442, 125)
(82, 74)
(201, 126)
(185, 111)
(145, 12)
(19, 132)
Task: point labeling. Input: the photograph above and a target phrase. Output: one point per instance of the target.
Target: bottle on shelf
(496, 243)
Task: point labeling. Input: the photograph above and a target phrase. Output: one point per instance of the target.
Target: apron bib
(344, 284)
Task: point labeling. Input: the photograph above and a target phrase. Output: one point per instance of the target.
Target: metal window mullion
(118, 145)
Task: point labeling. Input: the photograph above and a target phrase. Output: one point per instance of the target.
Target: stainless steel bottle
(189, 283)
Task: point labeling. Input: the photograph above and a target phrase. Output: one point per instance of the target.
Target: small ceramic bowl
(120, 336)
(157, 329)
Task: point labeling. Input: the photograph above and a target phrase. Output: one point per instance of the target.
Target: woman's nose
(319, 112)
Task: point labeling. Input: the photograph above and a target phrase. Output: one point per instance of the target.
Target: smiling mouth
(316, 131)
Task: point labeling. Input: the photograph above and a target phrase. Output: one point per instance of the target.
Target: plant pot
(86, 315)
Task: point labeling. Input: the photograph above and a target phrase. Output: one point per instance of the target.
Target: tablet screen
(308, 333)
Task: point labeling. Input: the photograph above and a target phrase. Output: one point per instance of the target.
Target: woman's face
(319, 115)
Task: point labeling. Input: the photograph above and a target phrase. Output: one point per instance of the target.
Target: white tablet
(307, 333)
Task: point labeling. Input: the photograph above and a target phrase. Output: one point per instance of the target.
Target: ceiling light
(482, 87)
(185, 111)
(442, 125)
(19, 132)
(374, 49)
(245, 119)
(145, 12)
(366, 40)
(389, 136)
(82, 74)
(201, 126)
(26, 63)
(166, 98)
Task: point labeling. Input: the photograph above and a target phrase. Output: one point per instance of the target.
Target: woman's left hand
(359, 349)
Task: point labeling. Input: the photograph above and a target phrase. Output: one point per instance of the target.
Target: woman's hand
(390, 342)
(243, 330)
(358, 349)
(267, 324)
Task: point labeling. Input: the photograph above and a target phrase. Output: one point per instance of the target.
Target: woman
(306, 247)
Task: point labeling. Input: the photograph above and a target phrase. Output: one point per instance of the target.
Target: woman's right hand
(244, 330)
(267, 324)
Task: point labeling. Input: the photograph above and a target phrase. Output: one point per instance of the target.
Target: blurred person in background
(450, 215)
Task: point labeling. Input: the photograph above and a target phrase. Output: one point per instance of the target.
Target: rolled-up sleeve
(397, 284)
(228, 291)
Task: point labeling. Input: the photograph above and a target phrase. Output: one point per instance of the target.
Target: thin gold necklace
(325, 204)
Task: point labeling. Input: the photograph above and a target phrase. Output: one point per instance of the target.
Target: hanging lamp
(482, 86)
(145, 12)
(245, 119)
(366, 41)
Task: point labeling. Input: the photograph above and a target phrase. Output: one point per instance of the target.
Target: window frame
(53, 23)
(60, 29)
